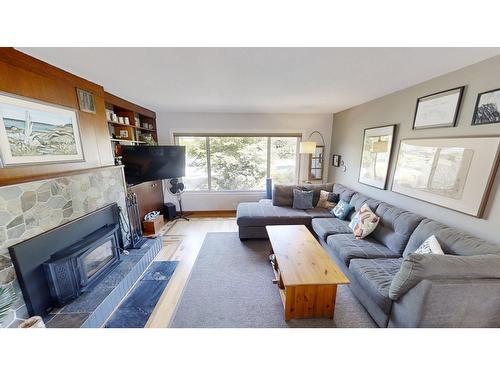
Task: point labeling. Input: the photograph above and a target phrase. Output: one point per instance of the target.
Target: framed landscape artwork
(455, 173)
(376, 155)
(487, 108)
(438, 110)
(32, 132)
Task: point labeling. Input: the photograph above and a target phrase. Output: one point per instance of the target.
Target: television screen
(148, 163)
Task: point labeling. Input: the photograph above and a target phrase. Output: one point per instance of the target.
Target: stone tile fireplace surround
(31, 208)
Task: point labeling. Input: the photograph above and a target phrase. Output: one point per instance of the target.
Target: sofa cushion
(324, 227)
(302, 199)
(317, 212)
(358, 200)
(430, 246)
(375, 277)
(343, 192)
(417, 267)
(283, 194)
(333, 197)
(323, 201)
(364, 222)
(266, 201)
(255, 214)
(452, 241)
(395, 226)
(342, 210)
(348, 247)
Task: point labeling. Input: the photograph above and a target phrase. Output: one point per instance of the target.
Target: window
(235, 162)
(196, 162)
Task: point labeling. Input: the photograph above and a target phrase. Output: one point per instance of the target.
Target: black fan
(177, 188)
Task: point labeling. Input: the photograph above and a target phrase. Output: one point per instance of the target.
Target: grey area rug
(230, 287)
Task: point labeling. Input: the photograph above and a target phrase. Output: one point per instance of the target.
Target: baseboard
(221, 213)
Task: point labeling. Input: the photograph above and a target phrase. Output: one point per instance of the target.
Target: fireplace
(57, 266)
(73, 270)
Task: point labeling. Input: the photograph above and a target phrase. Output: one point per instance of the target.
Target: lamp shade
(307, 147)
(380, 147)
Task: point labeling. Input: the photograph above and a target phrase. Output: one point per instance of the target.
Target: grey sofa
(253, 217)
(461, 289)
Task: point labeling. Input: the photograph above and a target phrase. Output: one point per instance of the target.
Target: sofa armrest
(449, 303)
(418, 267)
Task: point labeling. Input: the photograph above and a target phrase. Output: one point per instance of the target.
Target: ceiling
(257, 80)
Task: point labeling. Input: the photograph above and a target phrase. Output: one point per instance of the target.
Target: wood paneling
(149, 196)
(25, 76)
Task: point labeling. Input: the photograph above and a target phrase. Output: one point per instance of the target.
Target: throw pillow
(342, 210)
(430, 246)
(418, 267)
(364, 222)
(323, 201)
(333, 197)
(302, 199)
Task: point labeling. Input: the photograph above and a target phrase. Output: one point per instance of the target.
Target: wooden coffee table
(306, 276)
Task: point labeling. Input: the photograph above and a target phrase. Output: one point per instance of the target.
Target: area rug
(136, 308)
(230, 287)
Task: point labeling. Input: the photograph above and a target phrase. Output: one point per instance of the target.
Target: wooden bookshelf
(141, 122)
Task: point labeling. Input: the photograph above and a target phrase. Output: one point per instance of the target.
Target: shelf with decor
(129, 123)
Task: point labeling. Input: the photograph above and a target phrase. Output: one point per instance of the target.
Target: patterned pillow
(302, 199)
(364, 222)
(323, 201)
(430, 246)
(342, 210)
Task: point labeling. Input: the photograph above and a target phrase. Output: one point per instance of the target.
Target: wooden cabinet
(149, 196)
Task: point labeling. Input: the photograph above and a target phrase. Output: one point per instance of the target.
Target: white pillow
(430, 246)
(323, 200)
(364, 222)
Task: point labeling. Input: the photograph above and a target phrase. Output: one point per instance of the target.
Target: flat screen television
(148, 163)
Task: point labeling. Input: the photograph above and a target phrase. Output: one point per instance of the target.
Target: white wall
(170, 123)
(399, 108)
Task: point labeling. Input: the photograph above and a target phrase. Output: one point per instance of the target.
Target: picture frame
(438, 110)
(85, 101)
(336, 160)
(487, 109)
(452, 172)
(376, 155)
(35, 132)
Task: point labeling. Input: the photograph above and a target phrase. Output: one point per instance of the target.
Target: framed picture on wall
(376, 155)
(456, 173)
(85, 101)
(487, 109)
(336, 160)
(33, 132)
(438, 110)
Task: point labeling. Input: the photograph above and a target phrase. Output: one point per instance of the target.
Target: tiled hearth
(31, 208)
(93, 308)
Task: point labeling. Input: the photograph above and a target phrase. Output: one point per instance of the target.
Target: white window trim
(207, 136)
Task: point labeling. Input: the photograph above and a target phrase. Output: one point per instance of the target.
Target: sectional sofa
(398, 288)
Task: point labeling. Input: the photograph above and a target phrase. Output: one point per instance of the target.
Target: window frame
(298, 136)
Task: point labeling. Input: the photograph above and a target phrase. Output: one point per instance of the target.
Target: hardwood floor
(182, 241)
